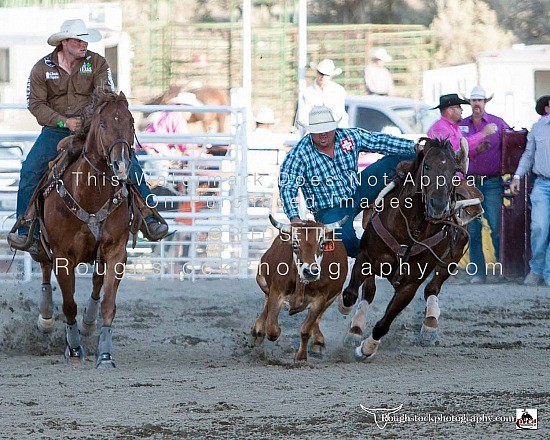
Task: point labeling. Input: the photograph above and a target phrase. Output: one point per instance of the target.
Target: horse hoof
(87, 329)
(342, 308)
(317, 351)
(45, 325)
(74, 356)
(372, 347)
(256, 339)
(352, 340)
(105, 361)
(428, 335)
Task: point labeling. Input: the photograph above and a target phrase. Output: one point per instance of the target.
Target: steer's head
(308, 240)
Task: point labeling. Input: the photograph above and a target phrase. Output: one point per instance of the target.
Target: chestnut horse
(86, 220)
(422, 229)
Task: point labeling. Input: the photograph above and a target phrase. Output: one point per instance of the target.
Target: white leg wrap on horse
(367, 348)
(45, 323)
(105, 344)
(360, 317)
(432, 307)
(91, 311)
(73, 335)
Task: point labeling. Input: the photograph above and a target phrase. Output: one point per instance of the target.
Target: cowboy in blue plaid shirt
(324, 165)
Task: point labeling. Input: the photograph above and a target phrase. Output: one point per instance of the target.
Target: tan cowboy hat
(185, 98)
(321, 120)
(478, 92)
(326, 67)
(265, 115)
(74, 29)
(381, 54)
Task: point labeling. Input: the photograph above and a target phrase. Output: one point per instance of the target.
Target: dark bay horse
(421, 227)
(86, 220)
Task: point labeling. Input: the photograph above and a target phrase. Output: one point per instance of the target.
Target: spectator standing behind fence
(323, 91)
(263, 145)
(536, 158)
(377, 77)
(60, 86)
(447, 126)
(485, 167)
(173, 122)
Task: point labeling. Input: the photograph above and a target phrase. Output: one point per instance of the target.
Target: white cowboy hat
(185, 98)
(478, 92)
(321, 120)
(74, 29)
(265, 115)
(381, 54)
(326, 67)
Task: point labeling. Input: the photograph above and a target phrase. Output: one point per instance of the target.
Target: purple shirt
(488, 162)
(445, 129)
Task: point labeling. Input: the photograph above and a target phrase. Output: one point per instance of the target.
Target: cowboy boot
(154, 227)
(23, 242)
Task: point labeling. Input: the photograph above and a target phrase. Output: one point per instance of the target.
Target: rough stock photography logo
(526, 418)
(381, 414)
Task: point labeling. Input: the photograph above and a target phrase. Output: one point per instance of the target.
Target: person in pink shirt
(173, 122)
(447, 126)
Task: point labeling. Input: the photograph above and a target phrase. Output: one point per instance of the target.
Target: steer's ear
(280, 226)
(420, 144)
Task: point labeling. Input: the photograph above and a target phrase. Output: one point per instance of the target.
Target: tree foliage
(464, 28)
(529, 20)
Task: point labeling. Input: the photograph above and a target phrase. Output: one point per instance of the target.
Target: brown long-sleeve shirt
(53, 95)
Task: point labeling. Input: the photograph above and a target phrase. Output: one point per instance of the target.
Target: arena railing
(218, 231)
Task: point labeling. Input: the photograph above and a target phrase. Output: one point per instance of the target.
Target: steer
(305, 267)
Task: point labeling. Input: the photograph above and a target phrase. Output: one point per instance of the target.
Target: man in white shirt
(324, 91)
(378, 79)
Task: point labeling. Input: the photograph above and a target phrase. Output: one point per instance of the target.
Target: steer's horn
(332, 226)
(461, 155)
(280, 226)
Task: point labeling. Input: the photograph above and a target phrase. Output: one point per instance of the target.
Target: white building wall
(25, 31)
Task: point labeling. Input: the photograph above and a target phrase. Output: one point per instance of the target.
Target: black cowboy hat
(450, 100)
(541, 103)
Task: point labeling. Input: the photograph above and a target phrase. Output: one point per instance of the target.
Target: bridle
(107, 151)
(451, 190)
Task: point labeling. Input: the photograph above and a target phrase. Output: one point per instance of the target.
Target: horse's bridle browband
(107, 155)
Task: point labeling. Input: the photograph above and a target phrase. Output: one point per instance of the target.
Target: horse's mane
(99, 96)
(412, 165)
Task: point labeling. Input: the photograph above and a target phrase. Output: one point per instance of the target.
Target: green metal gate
(212, 53)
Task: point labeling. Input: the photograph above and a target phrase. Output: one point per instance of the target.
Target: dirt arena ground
(185, 369)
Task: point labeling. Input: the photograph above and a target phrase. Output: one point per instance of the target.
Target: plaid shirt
(325, 181)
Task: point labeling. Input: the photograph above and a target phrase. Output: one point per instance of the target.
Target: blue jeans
(540, 225)
(492, 203)
(371, 183)
(35, 166)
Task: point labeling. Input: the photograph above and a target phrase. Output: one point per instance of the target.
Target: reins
(415, 246)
